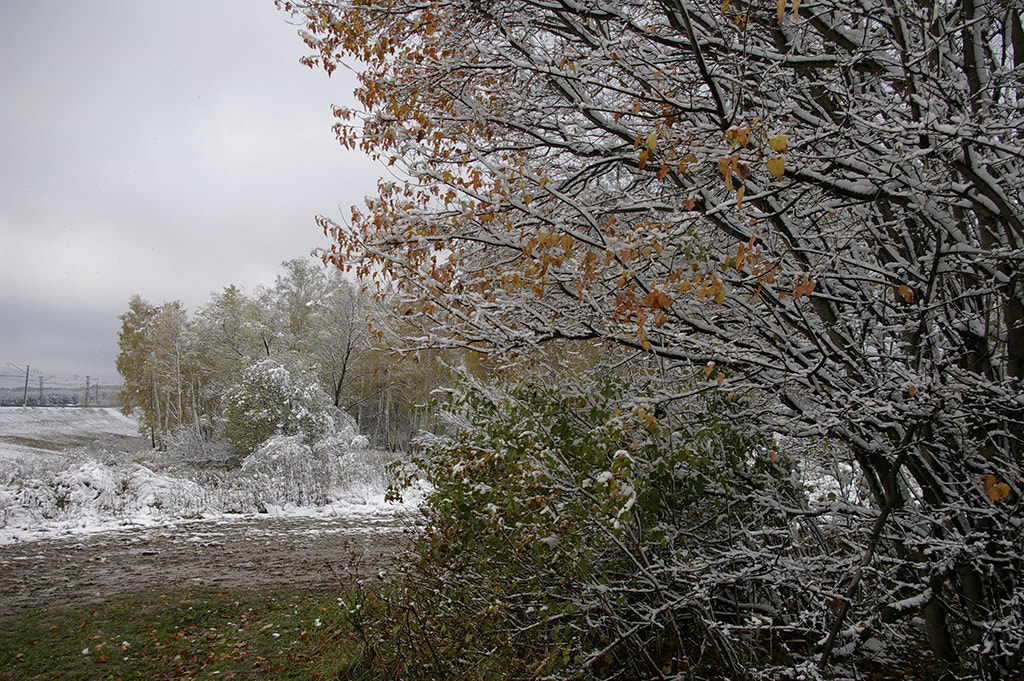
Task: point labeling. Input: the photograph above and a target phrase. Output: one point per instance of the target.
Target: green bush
(576, 532)
(269, 400)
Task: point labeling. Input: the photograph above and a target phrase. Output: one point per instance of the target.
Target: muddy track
(237, 553)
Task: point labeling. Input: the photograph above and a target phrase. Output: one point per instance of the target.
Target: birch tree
(137, 390)
(813, 206)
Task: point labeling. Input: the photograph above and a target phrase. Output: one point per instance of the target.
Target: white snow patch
(51, 493)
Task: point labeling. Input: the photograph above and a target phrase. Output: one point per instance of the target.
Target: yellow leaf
(643, 159)
(781, 8)
(779, 143)
(543, 182)
(721, 378)
(796, 9)
(527, 199)
(777, 167)
(652, 141)
(720, 298)
(708, 368)
(739, 196)
(725, 6)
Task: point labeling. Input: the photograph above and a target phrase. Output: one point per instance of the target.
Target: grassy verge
(185, 635)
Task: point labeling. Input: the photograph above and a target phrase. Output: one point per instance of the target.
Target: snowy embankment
(71, 471)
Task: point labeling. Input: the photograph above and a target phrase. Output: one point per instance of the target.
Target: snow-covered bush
(575, 530)
(270, 400)
(286, 470)
(92, 488)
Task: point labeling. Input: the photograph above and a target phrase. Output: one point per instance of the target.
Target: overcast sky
(166, 148)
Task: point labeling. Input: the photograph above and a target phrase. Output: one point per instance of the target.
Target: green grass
(185, 635)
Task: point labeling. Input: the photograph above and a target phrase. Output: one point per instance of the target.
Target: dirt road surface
(228, 553)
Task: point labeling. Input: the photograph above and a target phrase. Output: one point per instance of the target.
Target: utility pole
(24, 397)
(87, 390)
(40, 391)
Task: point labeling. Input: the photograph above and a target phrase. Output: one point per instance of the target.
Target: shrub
(269, 400)
(575, 532)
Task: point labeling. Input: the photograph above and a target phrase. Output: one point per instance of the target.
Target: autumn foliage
(821, 201)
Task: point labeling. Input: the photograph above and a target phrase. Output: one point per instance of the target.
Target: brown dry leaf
(996, 491)
(725, 166)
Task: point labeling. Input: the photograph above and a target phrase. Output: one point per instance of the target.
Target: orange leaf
(996, 491)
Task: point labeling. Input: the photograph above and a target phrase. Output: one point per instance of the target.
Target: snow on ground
(78, 471)
(65, 421)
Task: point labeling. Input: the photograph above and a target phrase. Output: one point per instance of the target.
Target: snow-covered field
(66, 471)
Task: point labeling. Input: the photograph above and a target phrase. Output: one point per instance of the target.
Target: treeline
(246, 366)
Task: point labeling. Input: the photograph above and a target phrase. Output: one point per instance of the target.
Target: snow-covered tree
(812, 208)
(269, 400)
(177, 367)
(324, 320)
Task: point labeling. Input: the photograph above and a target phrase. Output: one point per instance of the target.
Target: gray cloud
(165, 149)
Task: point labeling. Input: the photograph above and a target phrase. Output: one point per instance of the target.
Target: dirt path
(235, 553)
